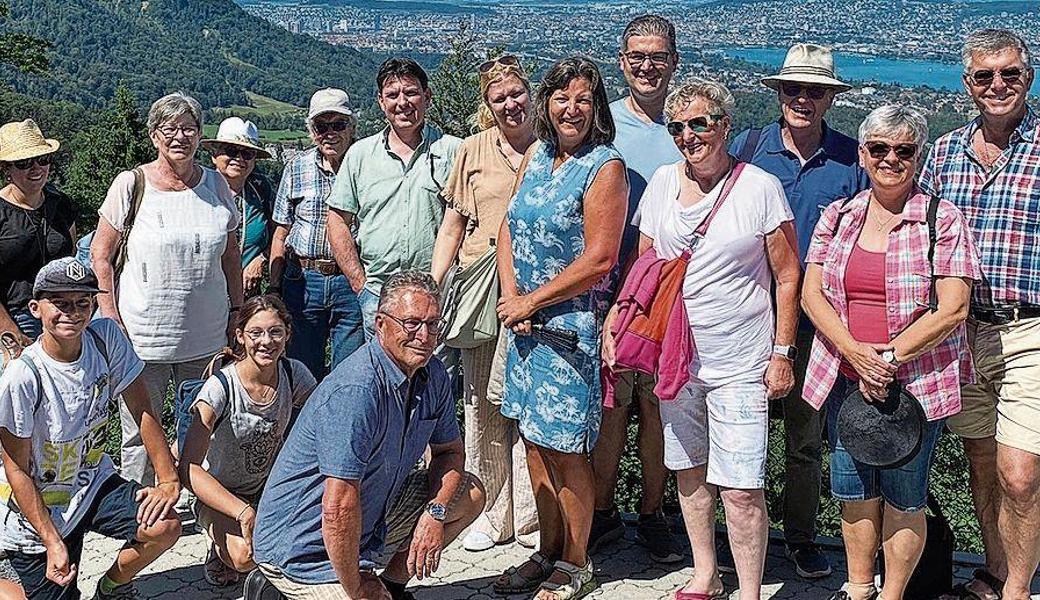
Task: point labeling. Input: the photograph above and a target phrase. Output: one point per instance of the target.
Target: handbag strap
(731, 180)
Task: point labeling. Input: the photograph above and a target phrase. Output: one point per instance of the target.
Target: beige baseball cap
(328, 100)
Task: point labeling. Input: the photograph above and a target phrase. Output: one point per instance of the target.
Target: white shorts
(725, 427)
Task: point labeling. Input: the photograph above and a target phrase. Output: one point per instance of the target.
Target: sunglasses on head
(507, 60)
(235, 152)
(793, 90)
(27, 163)
(1010, 76)
(881, 149)
(337, 126)
(696, 124)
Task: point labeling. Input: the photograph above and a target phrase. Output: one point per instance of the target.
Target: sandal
(512, 581)
(990, 580)
(681, 595)
(216, 573)
(582, 581)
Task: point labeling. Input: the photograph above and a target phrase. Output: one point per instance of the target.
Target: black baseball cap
(65, 275)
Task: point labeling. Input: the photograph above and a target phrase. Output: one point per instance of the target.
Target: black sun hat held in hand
(884, 434)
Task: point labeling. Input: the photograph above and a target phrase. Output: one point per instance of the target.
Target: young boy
(57, 482)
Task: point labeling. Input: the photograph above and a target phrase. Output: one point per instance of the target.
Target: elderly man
(391, 187)
(816, 166)
(990, 169)
(333, 512)
(323, 305)
(648, 59)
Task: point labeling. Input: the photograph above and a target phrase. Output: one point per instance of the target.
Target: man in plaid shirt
(990, 169)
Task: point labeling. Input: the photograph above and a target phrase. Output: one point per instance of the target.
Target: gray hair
(892, 120)
(991, 41)
(650, 25)
(416, 281)
(716, 94)
(173, 106)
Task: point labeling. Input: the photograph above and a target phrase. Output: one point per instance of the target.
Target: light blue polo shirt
(354, 426)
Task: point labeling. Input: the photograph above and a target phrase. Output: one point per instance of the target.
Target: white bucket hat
(237, 132)
(20, 140)
(808, 64)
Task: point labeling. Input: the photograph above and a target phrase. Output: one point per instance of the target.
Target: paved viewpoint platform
(623, 570)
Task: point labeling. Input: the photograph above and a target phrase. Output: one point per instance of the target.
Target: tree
(118, 141)
(456, 86)
(26, 53)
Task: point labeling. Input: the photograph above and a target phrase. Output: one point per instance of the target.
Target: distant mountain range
(211, 49)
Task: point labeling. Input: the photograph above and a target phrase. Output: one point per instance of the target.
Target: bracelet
(167, 483)
(243, 511)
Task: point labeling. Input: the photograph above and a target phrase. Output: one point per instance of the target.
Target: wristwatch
(889, 356)
(437, 511)
(788, 352)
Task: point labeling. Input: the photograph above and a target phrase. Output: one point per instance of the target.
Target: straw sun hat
(236, 132)
(807, 64)
(22, 140)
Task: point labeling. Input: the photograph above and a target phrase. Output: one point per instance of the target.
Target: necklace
(877, 221)
(988, 160)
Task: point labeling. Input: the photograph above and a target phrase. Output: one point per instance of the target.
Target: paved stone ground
(622, 568)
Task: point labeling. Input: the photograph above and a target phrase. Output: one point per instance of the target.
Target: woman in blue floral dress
(557, 247)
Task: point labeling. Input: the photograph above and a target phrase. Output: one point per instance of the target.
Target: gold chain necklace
(873, 214)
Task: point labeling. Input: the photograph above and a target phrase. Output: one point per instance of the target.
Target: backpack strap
(101, 344)
(29, 362)
(747, 151)
(128, 221)
(226, 385)
(284, 362)
(841, 215)
(933, 235)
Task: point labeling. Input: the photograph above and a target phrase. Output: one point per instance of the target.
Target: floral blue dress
(554, 394)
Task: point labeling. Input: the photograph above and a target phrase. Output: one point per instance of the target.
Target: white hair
(892, 120)
(172, 106)
(991, 41)
(718, 97)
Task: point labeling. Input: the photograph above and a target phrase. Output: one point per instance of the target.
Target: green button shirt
(397, 204)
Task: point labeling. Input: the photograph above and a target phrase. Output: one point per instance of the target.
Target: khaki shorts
(1005, 399)
(632, 387)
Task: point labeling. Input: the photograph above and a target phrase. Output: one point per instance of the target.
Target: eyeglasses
(794, 90)
(881, 149)
(236, 151)
(658, 59)
(171, 132)
(697, 124)
(412, 326)
(27, 163)
(985, 77)
(338, 125)
(275, 334)
(506, 60)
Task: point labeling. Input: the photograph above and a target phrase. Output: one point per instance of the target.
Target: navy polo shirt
(832, 172)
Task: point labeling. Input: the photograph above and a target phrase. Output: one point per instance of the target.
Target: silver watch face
(437, 511)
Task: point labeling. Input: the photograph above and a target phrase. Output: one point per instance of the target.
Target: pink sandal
(681, 595)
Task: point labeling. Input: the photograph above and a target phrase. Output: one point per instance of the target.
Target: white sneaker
(477, 541)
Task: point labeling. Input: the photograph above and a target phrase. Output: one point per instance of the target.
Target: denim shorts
(904, 488)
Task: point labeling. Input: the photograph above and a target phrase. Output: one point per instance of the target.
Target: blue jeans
(324, 309)
(904, 488)
(28, 324)
(369, 302)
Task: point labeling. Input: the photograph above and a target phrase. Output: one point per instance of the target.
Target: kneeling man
(345, 496)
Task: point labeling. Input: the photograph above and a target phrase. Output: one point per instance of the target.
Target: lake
(860, 67)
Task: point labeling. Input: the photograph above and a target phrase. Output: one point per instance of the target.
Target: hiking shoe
(258, 587)
(607, 526)
(724, 556)
(127, 591)
(808, 561)
(653, 533)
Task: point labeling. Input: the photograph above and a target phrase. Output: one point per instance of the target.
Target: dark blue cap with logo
(65, 275)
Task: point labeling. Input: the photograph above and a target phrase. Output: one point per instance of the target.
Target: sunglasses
(236, 152)
(793, 90)
(697, 124)
(27, 163)
(506, 60)
(881, 149)
(984, 77)
(337, 126)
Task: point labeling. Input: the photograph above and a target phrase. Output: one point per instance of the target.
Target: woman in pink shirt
(867, 286)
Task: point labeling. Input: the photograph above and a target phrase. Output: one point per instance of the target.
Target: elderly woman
(37, 224)
(557, 245)
(181, 281)
(867, 288)
(477, 193)
(235, 151)
(715, 430)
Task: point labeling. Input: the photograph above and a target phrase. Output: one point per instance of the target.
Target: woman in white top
(715, 430)
(240, 418)
(182, 278)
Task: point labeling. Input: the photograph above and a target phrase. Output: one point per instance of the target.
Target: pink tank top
(865, 292)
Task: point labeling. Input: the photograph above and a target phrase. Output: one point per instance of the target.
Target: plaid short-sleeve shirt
(1002, 206)
(935, 377)
(300, 204)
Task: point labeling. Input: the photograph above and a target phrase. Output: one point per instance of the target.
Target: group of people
(323, 448)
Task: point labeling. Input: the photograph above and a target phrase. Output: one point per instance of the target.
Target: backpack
(188, 392)
(83, 244)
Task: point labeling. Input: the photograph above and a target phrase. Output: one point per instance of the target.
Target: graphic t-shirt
(248, 435)
(66, 421)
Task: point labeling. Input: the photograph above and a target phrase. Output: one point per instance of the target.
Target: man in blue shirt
(344, 497)
(648, 59)
(816, 166)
